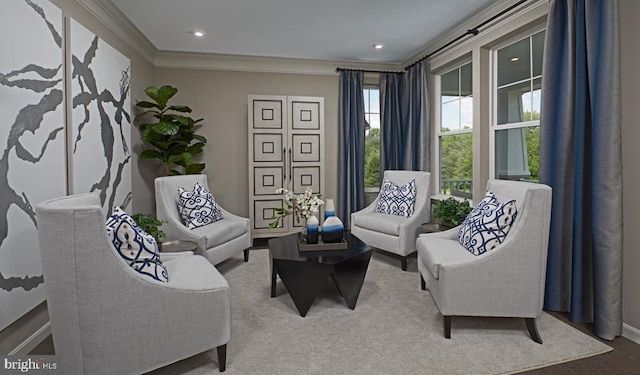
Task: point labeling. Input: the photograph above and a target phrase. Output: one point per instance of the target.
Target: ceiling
(337, 30)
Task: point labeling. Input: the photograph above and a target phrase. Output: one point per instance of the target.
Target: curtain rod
(474, 31)
(365, 71)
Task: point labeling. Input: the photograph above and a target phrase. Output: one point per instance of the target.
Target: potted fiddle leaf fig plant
(451, 212)
(172, 137)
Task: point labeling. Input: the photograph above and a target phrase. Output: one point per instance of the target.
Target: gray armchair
(507, 281)
(391, 233)
(216, 241)
(107, 318)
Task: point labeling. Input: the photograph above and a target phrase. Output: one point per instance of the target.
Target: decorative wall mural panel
(101, 119)
(32, 144)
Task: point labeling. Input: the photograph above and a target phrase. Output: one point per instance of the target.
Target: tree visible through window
(372, 138)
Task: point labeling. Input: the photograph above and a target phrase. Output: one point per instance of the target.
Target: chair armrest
(178, 231)
(172, 255)
(449, 234)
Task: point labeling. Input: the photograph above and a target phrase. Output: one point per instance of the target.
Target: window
(372, 138)
(455, 134)
(516, 132)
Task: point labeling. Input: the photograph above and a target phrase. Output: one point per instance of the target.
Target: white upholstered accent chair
(507, 281)
(391, 233)
(106, 318)
(216, 241)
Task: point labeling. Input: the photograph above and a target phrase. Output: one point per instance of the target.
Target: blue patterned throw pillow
(197, 208)
(397, 200)
(487, 225)
(137, 247)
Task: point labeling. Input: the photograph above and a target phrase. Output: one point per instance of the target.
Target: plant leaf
(200, 138)
(174, 172)
(151, 154)
(194, 168)
(180, 108)
(145, 104)
(165, 128)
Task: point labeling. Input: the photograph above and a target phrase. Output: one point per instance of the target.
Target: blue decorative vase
(332, 230)
(312, 230)
(329, 208)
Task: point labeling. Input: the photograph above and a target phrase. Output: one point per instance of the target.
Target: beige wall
(220, 97)
(630, 29)
(142, 76)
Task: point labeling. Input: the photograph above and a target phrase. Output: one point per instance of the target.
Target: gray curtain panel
(418, 125)
(581, 159)
(351, 145)
(392, 121)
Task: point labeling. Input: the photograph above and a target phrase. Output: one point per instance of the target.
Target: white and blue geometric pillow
(397, 200)
(488, 203)
(137, 247)
(197, 208)
(489, 225)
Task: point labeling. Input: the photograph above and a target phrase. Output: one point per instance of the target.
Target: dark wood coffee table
(305, 274)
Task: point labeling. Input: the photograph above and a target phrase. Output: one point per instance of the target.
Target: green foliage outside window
(456, 157)
(372, 159)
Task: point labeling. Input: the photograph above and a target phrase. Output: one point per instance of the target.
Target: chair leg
(447, 326)
(403, 263)
(246, 255)
(423, 284)
(222, 357)
(533, 330)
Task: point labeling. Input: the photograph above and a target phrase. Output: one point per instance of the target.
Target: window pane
(535, 100)
(518, 153)
(372, 139)
(511, 102)
(466, 80)
(537, 46)
(450, 116)
(466, 113)
(365, 92)
(514, 63)
(456, 164)
(374, 101)
(450, 85)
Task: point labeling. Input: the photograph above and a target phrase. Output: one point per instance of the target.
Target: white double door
(286, 150)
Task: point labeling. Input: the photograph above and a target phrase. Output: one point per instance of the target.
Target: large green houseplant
(172, 135)
(451, 212)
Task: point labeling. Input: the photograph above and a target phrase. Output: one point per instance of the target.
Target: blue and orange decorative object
(332, 230)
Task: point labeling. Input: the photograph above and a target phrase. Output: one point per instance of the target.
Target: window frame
(372, 189)
(494, 127)
(459, 63)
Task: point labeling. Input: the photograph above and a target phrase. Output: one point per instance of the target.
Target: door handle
(290, 166)
(284, 165)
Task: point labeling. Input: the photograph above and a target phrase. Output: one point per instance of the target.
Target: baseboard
(32, 341)
(631, 333)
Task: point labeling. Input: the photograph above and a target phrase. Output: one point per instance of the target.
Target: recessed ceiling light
(514, 59)
(199, 34)
(378, 46)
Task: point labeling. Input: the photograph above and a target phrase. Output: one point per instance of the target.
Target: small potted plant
(150, 225)
(451, 212)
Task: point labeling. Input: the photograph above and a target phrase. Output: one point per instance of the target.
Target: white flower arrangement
(302, 205)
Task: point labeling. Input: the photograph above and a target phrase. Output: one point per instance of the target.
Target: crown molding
(472, 22)
(116, 21)
(261, 64)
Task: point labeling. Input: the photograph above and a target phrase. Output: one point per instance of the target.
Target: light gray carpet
(395, 329)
